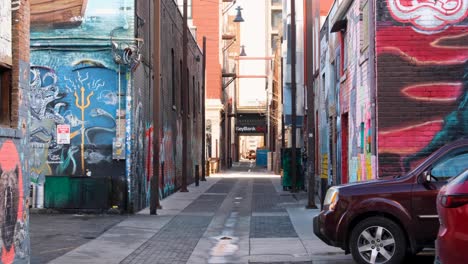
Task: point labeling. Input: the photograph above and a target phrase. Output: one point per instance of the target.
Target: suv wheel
(377, 240)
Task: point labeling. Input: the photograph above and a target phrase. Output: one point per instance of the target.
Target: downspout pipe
(373, 82)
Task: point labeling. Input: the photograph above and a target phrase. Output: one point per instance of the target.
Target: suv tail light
(452, 201)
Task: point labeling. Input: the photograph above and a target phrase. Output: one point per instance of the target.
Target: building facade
(206, 19)
(92, 75)
(391, 88)
(15, 162)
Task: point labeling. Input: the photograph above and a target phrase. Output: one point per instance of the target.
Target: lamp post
(203, 111)
(293, 95)
(227, 157)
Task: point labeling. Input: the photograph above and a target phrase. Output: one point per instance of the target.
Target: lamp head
(242, 53)
(238, 17)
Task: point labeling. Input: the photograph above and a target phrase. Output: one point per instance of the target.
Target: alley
(241, 216)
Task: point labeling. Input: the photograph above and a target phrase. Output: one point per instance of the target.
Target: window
(451, 165)
(274, 38)
(181, 97)
(276, 2)
(344, 52)
(194, 97)
(200, 100)
(276, 19)
(186, 102)
(173, 80)
(5, 95)
(180, 3)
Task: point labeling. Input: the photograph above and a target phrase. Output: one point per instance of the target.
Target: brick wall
(422, 80)
(14, 167)
(171, 115)
(206, 19)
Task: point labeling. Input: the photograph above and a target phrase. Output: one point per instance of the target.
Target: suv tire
(377, 240)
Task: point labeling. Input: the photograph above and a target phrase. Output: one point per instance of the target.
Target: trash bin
(261, 159)
(286, 180)
(214, 165)
(207, 167)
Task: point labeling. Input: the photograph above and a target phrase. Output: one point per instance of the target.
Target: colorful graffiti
(423, 91)
(12, 214)
(346, 129)
(67, 96)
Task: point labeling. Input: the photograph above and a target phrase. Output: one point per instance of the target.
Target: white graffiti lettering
(429, 16)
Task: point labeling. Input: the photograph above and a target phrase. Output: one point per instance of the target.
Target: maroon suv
(380, 221)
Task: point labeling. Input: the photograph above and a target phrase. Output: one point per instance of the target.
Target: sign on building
(63, 134)
(5, 32)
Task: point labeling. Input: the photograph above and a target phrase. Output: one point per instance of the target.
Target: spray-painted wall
(76, 81)
(355, 95)
(14, 150)
(171, 101)
(344, 104)
(422, 71)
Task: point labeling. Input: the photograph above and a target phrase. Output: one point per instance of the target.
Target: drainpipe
(373, 83)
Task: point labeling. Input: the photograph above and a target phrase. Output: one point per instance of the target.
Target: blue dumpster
(261, 160)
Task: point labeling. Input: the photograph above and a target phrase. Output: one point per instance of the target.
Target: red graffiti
(11, 197)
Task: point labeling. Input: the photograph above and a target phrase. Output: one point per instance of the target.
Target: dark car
(380, 221)
(452, 206)
(252, 155)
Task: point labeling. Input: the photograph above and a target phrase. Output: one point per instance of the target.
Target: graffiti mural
(68, 96)
(12, 214)
(427, 107)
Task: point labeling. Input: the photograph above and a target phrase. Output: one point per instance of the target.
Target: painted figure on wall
(82, 96)
(11, 203)
(432, 81)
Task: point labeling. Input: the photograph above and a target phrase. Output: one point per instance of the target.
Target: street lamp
(238, 17)
(242, 53)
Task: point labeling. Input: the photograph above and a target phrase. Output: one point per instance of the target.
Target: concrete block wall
(422, 80)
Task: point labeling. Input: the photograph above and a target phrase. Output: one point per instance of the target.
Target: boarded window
(5, 96)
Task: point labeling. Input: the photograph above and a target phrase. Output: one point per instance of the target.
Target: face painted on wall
(8, 205)
(428, 16)
(11, 199)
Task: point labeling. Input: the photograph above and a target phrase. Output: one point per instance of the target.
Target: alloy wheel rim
(376, 245)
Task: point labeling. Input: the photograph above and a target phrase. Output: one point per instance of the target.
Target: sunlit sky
(253, 36)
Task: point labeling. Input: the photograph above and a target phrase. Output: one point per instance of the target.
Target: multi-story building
(205, 21)
(299, 73)
(15, 152)
(274, 88)
(92, 86)
(392, 85)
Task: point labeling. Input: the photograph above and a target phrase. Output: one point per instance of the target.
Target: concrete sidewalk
(237, 217)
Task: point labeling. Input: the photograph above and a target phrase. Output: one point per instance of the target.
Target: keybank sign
(250, 129)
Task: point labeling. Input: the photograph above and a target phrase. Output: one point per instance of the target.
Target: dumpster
(67, 192)
(286, 179)
(261, 159)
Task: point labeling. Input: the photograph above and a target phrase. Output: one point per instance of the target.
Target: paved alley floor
(241, 216)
